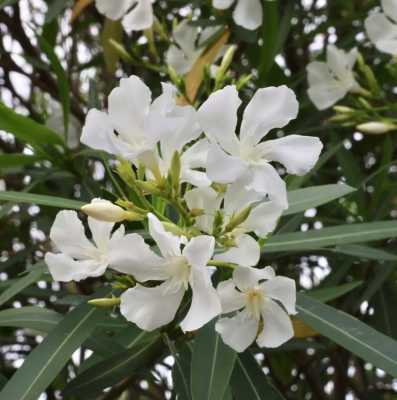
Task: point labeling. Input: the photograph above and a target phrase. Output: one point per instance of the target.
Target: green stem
(221, 264)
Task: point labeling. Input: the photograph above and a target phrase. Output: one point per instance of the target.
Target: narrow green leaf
(337, 235)
(46, 361)
(332, 293)
(17, 160)
(62, 79)
(302, 199)
(212, 365)
(40, 199)
(33, 276)
(350, 333)
(249, 382)
(40, 319)
(112, 30)
(27, 130)
(181, 373)
(112, 370)
(365, 252)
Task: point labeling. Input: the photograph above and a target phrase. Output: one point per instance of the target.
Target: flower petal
(382, 33)
(271, 107)
(265, 179)
(326, 94)
(100, 233)
(222, 4)
(64, 269)
(67, 233)
(390, 9)
(297, 153)
(341, 64)
(282, 289)
(140, 17)
(199, 251)
(169, 244)
(246, 253)
(263, 218)
(178, 60)
(238, 332)
(150, 308)
(223, 168)
(113, 9)
(277, 326)
(128, 105)
(98, 132)
(205, 301)
(195, 178)
(247, 277)
(218, 118)
(248, 14)
(231, 299)
(132, 256)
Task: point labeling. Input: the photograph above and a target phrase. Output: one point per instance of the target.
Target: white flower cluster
(229, 190)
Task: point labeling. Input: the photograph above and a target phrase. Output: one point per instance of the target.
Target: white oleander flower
(190, 44)
(247, 13)
(79, 258)
(136, 15)
(381, 27)
(231, 158)
(261, 220)
(134, 125)
(179, 269)
(332, 80)
(260, 302)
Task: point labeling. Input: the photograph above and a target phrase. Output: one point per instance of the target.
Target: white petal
(196, 155)
(100, 232)
(68, 235)
(140, 17)
(132, 256)
(222, 168)
(282, 289)
(205, 301)
(128, 105)
(218, 118)
(113, 9)
(237, 332)
(195, 178)
(263, 218)
(150, 308)
(327, 94)
(248, 14)
(64, 269)
(199, 251)
(297, 153)
(222, 4)
(246, 277)
(246, 253)
(340, 63)
(390, 8)
(265, 179)
(178, 60)
(185, 35)
(318, 72)
(382, 33)
(271, 107)
(207, 199)
(98, 132)
(169, 244)
(277, 326)
(231, 299)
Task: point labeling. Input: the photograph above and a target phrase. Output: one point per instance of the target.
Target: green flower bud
(105, 302)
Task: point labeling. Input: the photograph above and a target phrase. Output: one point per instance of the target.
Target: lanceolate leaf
(332, 293)
(40, 199)
(337, 235)
(40, 319)
(17, 160)
(302, 199)
(27, 130)
(212, 365)
(33, 276)
(365, 252)
(249, 382)
(46, 361)
(349, 333)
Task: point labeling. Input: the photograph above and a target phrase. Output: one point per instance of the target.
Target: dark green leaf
(365, 252)
(332, 293)
(17, 160)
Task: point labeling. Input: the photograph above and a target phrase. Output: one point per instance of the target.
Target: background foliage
(342, 253)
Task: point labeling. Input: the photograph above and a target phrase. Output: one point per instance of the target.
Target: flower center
(250, 154)
(178, 270)
(254, 300)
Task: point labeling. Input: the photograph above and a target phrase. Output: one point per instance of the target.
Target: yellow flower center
(254, 300)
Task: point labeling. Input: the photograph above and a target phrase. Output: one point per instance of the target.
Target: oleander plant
(198, 199)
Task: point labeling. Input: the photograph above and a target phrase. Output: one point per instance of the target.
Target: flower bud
(225, 64)
(104, 210)
(175, 171)
(238, 219)
(343, 109)
(121, 51)
(376, 127)
(105, 302)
